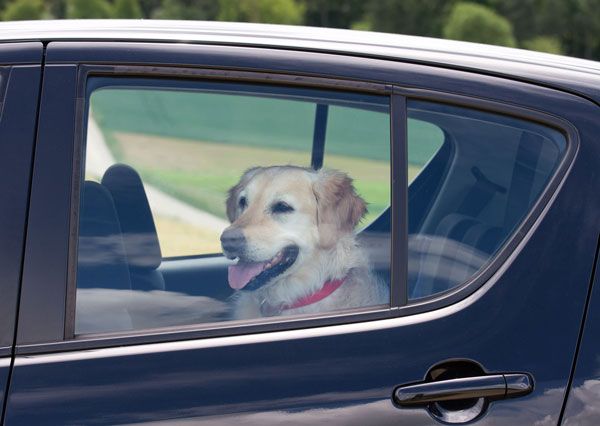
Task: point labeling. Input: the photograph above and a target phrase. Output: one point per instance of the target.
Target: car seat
(102, 264)
(137, 225)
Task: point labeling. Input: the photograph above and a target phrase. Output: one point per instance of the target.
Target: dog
(292, 231)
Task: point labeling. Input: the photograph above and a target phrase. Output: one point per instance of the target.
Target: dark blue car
(122, 145)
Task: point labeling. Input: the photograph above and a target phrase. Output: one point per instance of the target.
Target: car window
(473, 190)
(357, 140)
(269, 202)
(424, 141)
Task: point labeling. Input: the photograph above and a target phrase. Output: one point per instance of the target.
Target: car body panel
(20, 73)
(584, 394)
(52, 170)
(342, 373)
(5, 366)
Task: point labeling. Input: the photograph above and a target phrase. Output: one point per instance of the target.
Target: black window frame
(519, 235)
(403, 79)
(320, 123)
(397, 285)
(20, 76)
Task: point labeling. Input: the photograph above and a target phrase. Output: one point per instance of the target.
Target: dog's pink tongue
(239, 275)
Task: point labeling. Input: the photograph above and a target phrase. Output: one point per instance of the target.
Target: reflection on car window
(183, 168)
(473, 191)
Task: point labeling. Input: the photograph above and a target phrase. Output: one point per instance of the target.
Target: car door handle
(494, 386)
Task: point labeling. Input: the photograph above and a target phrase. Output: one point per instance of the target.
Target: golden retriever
(292, 231)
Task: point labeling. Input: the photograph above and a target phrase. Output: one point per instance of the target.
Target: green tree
(187, 9)
(332, 13)
(265, 11)
(127, 9)
(170, 9)
(56, 8)
(579, 27)
(544, 44)
(19, 10)
(480, 24)
(149, 7)
(413, 17)
(88, 9)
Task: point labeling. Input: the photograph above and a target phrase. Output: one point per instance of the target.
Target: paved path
(99, 158)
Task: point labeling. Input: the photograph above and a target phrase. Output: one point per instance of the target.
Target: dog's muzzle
(233, 242)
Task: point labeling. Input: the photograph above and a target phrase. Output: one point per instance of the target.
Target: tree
(332, 13)
(265, 11)
(149, 7)
(579, 29)
(187, 9)
(544, 44)
(477, 23)
(413, 17)
(19, 10)
(127, 9)
(56, 8)
(88, 9)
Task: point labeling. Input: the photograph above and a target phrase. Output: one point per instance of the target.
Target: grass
(182, 239)
(253, 121)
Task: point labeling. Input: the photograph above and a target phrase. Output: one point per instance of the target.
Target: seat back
(137, 225)
(102, 270)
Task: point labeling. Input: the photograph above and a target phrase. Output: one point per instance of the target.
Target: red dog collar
(328, 288)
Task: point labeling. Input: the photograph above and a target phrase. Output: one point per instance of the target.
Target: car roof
(571, 74)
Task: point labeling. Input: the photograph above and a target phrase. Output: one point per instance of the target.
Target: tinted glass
(187, 168)
(473, 191)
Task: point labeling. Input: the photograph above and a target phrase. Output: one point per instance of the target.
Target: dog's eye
(281, 207)
(243, 203)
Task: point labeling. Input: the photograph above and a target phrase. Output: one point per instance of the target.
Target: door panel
(4, 369)
(19, 91)
(584, 395)
(17, 133)
(272, 379)
(335, 373)
(346, 374)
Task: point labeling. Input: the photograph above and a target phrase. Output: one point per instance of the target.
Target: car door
(20, 72)
(489, 252)
(583, 392)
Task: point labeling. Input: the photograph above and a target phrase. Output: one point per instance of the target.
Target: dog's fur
(326, 210)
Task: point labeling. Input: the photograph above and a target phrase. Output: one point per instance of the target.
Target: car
(120, 140)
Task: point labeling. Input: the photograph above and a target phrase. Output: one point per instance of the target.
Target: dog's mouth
(253, 275)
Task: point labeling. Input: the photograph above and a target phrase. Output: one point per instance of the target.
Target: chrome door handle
(494, 387)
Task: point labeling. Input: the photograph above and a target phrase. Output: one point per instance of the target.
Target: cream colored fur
(326, 211)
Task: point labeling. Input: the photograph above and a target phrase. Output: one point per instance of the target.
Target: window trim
(521, 234)
(227, 328)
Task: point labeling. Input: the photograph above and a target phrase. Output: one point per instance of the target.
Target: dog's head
(282, 215)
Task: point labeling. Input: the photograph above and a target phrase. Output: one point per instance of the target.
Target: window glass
(358, 140)
(190, 168)
(424, 140)
(479, 174)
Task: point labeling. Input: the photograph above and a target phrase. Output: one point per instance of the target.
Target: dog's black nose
(233, 241)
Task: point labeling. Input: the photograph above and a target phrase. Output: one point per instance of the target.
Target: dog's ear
(339, 208)
(231, 205)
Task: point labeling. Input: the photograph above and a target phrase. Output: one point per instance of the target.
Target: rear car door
(20, 73)
(488, 268)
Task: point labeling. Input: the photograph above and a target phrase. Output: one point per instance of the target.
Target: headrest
(137, 225)
(102, 262)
